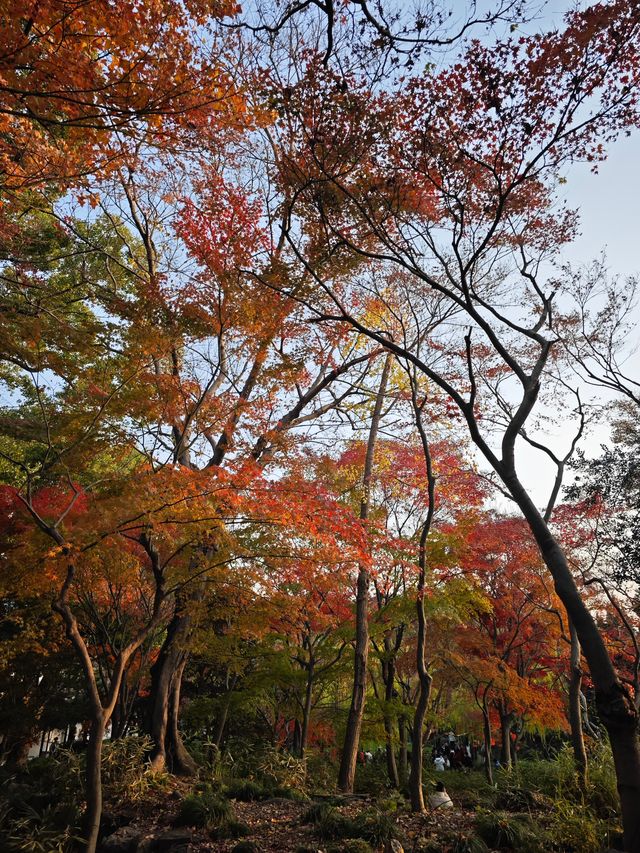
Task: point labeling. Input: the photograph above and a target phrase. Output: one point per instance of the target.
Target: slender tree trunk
(415, 777)
(306, 711)
(347, 772)
(486, 732)
(222, 722)
(93, 782)
(575, 711)
(424, 677)
(388, 677)
(404, 759)
(506, 722)
(392, 767)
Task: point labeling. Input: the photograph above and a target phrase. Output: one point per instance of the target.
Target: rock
(165, 841)
(123, 840)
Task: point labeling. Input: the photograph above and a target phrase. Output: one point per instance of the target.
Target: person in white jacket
(440, 799)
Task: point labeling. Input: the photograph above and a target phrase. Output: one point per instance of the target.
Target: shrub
(203, 809)
(280, 769)
(375, 827)
(461, 842)
(371, 779)
(229, 828)
(315, 812)
(331, 825)
(245, 790)
(468, 790)
(126, 777)
(351, 845)
(521, 800)
(517, 832)
(321, 773)
(575, 827)
(40, 806)
(39, 832)
(294, 794)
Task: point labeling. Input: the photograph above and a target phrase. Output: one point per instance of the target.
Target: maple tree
(222, 265)
(446, 186)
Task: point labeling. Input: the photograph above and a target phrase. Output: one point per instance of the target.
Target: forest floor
(278, 825)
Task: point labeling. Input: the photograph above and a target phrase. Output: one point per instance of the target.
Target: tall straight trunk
(404, 749)
(388, 678)
(424, 677)
(222, 719)
(615, 707)
(93, 782)
(486, 733)
(306, 710)
(575, 710)
(347, 772)
(506, 723)
(392, 767)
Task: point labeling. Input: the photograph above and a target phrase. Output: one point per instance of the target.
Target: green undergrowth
(329, 824)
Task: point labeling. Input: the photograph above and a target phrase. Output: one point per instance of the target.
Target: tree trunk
(506, 722)
(169, 667)
(347, 772)
(424, 677)
(93, 783)
(180, 762)
(415, 777)
(306, 711)
(575, 711)
(388, 677)
(392, 767)
(346, 776)
(615, 707)
(486, 732)
(404, 759)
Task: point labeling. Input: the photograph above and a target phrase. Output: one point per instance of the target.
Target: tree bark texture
(575, 710)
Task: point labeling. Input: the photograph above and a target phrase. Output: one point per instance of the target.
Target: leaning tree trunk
(179, 759)
(347, 772)
(615, 707)
(575, 710)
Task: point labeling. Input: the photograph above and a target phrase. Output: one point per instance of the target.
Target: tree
(458, 193)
